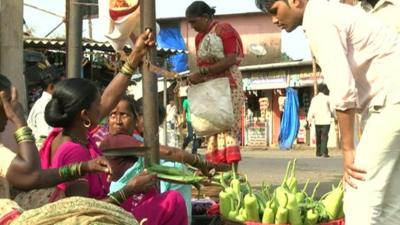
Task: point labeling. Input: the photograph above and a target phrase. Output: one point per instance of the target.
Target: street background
(270, 165)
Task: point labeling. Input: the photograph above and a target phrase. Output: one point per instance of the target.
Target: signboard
(303, 79)
(257, 133)
(265, 82)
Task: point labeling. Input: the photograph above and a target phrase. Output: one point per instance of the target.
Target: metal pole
(150, 94)
(314, 71)
(165, 134)
(165, 103)
(74, 40)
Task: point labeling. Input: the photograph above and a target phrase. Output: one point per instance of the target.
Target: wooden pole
(150, 93)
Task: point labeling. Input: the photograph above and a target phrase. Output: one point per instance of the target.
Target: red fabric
(228, 155)
(116, 13)
(232, 44)
(9, 217)
(229, 36)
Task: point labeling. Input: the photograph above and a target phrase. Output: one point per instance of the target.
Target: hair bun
(212, 11)
(55, 115)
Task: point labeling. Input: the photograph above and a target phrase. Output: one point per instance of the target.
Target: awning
(59, 44)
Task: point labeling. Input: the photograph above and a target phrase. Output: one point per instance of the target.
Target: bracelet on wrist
(204, 71)
(117, 197)
(71, 172)
(24, 134)
(127, 69)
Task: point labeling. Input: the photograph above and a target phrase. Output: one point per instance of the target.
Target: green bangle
(116, 196)
(114, 199)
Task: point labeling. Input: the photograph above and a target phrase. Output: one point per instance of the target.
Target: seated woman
(76, 107)
(22, 170)
(123, 120)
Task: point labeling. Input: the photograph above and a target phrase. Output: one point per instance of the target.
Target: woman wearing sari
(125, 127)
(23, 171)
(75, 110)
(219, 51)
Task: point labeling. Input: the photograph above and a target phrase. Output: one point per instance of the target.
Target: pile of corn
(284, 205)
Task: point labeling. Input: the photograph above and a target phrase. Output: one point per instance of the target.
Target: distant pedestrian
(191, 136)
(36, 121)
(320, 114)
(171, 120)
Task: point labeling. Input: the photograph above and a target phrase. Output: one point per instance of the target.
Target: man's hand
(350, 171)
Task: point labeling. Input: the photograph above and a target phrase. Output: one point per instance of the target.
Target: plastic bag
(210, 105)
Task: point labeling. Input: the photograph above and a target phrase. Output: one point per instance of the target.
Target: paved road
(270, 166)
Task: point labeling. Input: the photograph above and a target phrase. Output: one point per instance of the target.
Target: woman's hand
(142, 183)
(13, 108)
(350, 171)
(143, 43)
(195, 78)
(208, 168)
(99, 164)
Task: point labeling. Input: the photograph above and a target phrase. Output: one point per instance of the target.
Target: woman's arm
(178, 155)
(219, 67)
(117, 87)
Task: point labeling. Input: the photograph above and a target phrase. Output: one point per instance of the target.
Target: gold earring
(87, 123)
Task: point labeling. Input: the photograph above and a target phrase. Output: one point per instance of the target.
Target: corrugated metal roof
(90, 45)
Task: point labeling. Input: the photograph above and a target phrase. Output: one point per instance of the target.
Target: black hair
(199, 8)
(132, 105)
(265, 5)
(162, 113)
(323, 88)
(69, 98)
(49, 76)
(5, 83)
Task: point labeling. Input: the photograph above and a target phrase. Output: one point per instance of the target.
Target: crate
(205, 220)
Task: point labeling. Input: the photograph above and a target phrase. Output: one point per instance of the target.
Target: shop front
(264, 88)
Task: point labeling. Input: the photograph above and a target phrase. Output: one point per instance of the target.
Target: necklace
(75, 139)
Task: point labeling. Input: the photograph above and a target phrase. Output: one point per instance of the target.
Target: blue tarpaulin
(171, 37)
(290, 122)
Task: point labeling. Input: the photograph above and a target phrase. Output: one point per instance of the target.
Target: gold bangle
(25, 138)
(125, 71)
(79, 169)
(25, 130)
(23, 141)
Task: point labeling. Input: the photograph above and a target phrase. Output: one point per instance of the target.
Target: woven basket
(208, 191)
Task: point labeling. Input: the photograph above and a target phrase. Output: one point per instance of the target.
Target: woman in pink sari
(75, 109)
(219, 51)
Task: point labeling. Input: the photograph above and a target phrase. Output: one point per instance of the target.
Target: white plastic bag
(211, 110)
